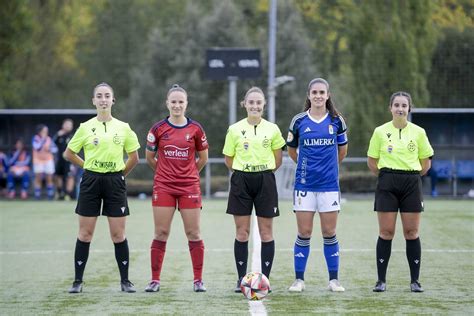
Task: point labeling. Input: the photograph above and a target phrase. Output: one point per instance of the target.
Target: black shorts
(398, 190)
(107, 187)
(63, 167)
(253, 188)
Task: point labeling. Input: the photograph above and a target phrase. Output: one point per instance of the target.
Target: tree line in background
(53, 52)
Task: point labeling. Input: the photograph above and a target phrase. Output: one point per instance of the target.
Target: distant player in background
(317, 142)
(64, 169)
(172, 146)
(3, 173)
(253, 151)
(104, 140)
(43, 161)
(399, 154)
(19, 169)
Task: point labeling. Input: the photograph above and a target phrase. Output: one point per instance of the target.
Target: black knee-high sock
(266, 255)
(414, 258)
(122, 257)
(81, 254)
(241, 254)
(384, 249)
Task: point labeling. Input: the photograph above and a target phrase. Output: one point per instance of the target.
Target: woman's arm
(131, 162)
(228, 162)
(425, 165)
(372, 164)
(151, 159)
(341, 152)
(203, 156)
(278, 158)
(73, 158)
(293, 154)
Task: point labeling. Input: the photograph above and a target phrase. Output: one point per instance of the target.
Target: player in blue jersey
(317, 142)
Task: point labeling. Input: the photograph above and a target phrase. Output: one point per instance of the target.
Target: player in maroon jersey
(176, 150)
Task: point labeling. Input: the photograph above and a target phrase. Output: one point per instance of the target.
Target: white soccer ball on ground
(255, 286)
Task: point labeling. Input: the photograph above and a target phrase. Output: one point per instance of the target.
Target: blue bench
(465, 169)
(443, 168)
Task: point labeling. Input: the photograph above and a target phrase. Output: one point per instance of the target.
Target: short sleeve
(229, 144)
(77, 141)
(277, 141)
(131, 140)
(151, 140)
(293, 134)
(341, 132)
(201, 140)
(374, 146)
(424, 147)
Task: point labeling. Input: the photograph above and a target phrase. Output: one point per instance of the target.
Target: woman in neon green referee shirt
(399, 154)
(104, 139)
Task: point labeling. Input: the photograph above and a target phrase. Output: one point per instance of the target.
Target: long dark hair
(329, 104)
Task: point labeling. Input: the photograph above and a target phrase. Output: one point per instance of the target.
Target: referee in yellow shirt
(253, 150)
(104, 140)
(399, 154)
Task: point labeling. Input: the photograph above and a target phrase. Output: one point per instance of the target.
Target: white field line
(111, 250)
(256, 307)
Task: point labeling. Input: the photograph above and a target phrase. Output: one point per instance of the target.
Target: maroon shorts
(182, 201)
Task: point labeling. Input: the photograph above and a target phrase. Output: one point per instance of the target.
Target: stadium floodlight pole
(272, 25)
(232, 99)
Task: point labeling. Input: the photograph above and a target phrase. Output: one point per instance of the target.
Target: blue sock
(301, 252)
(25, 181)
(50, 190)
(37, 193)
(331, 253)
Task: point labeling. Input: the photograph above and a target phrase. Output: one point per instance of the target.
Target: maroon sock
(157, 254)
(196, 249)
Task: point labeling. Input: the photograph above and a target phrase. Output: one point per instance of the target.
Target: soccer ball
(255, 286)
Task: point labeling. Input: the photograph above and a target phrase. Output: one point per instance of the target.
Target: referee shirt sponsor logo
(255, 168)
(109, 165)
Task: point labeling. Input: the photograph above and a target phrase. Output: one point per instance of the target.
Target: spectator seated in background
(3, 173)
(43, 161)
(19, 168)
